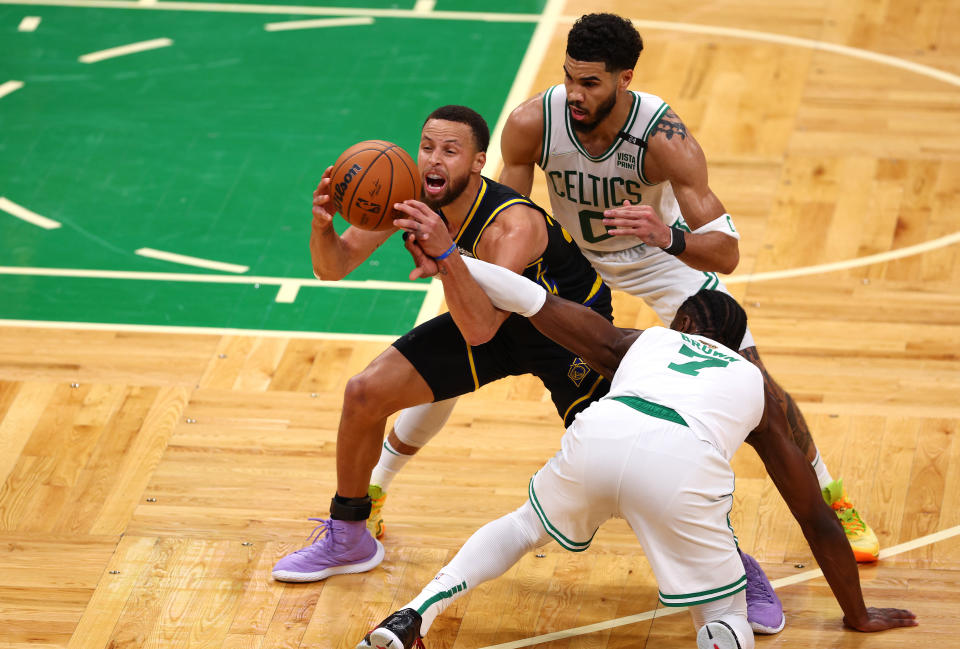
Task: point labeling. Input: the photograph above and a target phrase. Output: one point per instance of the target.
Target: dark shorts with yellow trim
(451, 368)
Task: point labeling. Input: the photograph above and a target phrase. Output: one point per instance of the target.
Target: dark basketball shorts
(451, 367)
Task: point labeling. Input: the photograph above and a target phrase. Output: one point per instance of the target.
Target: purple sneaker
(345, 548)
(764, 610)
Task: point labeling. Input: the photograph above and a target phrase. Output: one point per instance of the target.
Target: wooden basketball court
(151, 480)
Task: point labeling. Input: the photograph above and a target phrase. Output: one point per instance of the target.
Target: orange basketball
(368, 178)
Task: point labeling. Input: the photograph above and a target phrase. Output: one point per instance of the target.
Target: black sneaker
(399, 631)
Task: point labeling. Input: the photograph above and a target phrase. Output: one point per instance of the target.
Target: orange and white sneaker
(375, 523)
(866, 547)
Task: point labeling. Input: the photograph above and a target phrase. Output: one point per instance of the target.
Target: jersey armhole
(646, 139)
(547, 127)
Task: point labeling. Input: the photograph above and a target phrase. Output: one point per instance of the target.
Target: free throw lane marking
(424, 5)
(10, 86)
(29, 24)
(191, 261)
(123, 50)
(23, 213)
(317, 23)
(288, 292)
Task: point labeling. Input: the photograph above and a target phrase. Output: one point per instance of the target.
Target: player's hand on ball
(881, 619)
(640, 221)
(426, 226)
(322, 208)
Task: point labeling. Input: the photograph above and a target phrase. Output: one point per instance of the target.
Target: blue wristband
(449, 252)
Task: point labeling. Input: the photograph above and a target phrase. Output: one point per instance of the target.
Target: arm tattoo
(670, 125)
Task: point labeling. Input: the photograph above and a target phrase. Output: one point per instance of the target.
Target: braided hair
(716, 315)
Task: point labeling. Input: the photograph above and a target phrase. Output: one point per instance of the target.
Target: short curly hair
(605, 38)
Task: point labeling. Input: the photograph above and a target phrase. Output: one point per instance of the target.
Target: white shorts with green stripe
(661, 280)
(675, 490)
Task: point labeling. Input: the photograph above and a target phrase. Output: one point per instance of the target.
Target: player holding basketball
(629, 183)
(459, 351)
(655, 451)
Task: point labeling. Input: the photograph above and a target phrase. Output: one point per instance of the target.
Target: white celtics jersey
(581, 186)
(716, 392)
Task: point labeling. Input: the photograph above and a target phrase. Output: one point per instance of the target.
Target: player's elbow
(729, 262)
(326, 275)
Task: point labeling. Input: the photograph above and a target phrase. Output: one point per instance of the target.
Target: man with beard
(629, 183)
(459, 351)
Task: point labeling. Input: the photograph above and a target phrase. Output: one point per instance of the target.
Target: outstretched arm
(797, 483)
(581, 330)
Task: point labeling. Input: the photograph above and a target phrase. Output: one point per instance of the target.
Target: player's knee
(364, 396)
(526, 521)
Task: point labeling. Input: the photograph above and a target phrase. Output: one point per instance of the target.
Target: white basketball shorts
(673, 489)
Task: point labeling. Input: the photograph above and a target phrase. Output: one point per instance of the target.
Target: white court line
(212, 331)
(187, 260)
(663, 612)
(869, 260)
(225, 7)
(807, 43)
(23, 213)
(432, 302)
(424, 6)
(123, 50)
(82, 273)
(319, 22)
(288, 292)
(10, 86)
(29, 24)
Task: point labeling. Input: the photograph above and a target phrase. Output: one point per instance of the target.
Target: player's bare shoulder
(672, 151)
(523, 132)
(517, 237)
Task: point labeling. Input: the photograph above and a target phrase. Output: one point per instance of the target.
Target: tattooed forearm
(669, 126)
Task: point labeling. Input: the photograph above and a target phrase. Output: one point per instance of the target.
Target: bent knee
(366, 394)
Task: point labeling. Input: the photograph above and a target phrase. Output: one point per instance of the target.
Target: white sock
(732, 610)
(823, 475)
(487, 554)
(391, 461)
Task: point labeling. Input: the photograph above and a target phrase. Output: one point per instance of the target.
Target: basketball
(368, 178)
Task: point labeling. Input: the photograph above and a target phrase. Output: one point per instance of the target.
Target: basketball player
(456, 352)
(629, 183)
(655, 451)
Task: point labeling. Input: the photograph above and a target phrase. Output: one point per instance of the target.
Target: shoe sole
(865, 557)
(717, 635)
(350, 568)
(768, 630)
(380, 638)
